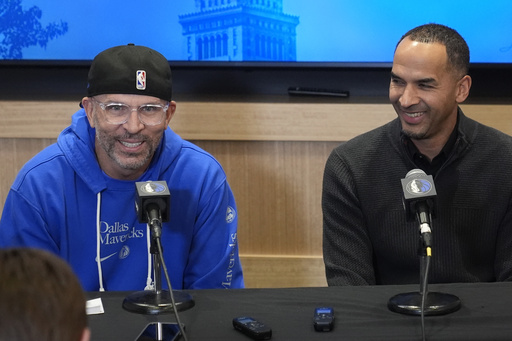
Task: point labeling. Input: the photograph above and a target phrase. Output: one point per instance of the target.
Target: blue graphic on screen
(22, 28)
(323, 31)
(240, 31)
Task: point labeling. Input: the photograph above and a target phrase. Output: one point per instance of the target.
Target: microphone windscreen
(152, 192)
(417, 186)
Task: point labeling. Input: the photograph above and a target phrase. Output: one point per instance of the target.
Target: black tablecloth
(361, 314)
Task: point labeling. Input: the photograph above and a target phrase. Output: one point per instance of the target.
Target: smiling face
(124, 151)
(425, 92)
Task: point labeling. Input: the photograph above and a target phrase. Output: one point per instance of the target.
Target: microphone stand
(423, 302)
(158, 301)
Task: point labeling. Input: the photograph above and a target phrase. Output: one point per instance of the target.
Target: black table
(361, 314)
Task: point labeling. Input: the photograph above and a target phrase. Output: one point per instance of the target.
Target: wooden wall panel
(277, 186)
(236, 121)
(14, 153)
(273, 155)
(283, 271)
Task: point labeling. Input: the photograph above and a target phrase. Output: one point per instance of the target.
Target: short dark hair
(40, 297)
(457, 49)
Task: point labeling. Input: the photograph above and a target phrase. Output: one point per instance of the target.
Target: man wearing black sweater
(367, 238)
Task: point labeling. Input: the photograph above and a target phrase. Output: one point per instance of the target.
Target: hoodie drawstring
(98, 241)
(149, 280)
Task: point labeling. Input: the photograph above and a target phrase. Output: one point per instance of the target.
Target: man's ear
(170, 112)
(463, 87)
(88, 106)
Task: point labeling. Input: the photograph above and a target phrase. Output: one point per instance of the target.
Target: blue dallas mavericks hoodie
(63, 202)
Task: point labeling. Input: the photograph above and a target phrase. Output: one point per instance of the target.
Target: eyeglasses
(118, 113)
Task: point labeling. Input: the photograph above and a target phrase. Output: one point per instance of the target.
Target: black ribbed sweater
(367, 239)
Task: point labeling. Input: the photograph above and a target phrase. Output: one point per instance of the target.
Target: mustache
(138, 137)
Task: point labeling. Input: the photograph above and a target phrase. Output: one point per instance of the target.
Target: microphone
(419, 200)
(152, 203)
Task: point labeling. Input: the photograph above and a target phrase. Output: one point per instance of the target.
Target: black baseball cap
(130, 69)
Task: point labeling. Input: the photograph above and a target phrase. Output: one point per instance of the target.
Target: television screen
(330, 32)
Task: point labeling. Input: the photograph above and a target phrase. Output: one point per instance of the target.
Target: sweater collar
(465, 134)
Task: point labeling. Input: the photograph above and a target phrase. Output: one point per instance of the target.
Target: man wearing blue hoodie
(76, 197)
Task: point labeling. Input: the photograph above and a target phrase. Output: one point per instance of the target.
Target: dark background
(191, 82)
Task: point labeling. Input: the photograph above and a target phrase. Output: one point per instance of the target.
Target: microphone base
(150, 303)
(436, 303)
(157, 331)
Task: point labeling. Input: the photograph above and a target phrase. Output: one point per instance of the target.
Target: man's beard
(413, 135)
(128, 161)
